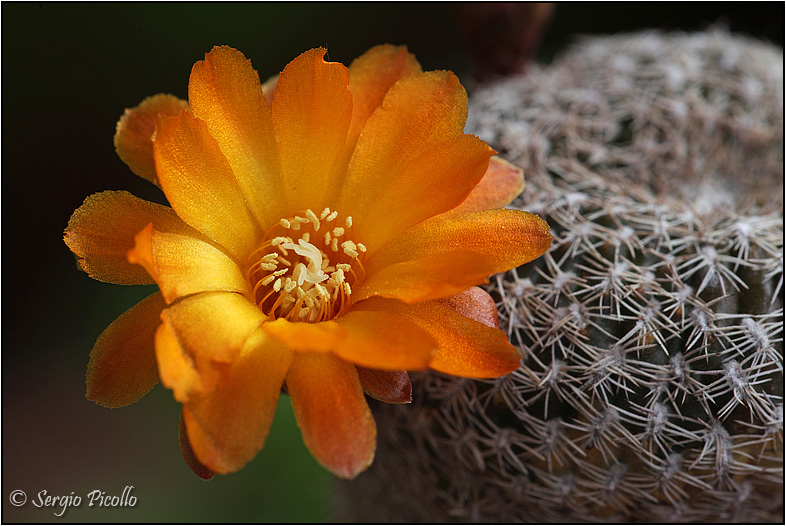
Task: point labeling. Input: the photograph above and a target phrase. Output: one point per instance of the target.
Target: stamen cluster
(306, 267)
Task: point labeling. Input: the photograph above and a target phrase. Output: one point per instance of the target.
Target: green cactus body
(651, 385)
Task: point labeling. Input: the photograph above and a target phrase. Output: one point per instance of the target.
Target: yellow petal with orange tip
(432, 183)
(392, 387)
(214, 325)
(200, 184)
(312, 110)
(309, 337)
(184, 264)
(122, 365)
(332, 413)
(224, 91)
(436, 257)
(227, 426)
(134, 133)
(467, 347)
(102, 230)
(199, 469)
(418, 112)
(500, 185)
(385, 341)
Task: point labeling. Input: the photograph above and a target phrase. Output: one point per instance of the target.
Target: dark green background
(68, 71)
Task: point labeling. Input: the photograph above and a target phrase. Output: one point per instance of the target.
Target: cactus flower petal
(332, 412)
(407, 268)
(224, 92)
(500, 185)
(200, 185)
(122, 365)
(199, 469)
(312, 110)
(228, 425)
(134, 135)
(371, 76)
(325, 234)
(465, 347)
(186, 263)
(392, 387)
(101, 232)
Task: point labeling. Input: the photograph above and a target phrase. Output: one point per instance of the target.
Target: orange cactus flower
(325, 237)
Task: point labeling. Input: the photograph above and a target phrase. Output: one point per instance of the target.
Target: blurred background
(68, 71)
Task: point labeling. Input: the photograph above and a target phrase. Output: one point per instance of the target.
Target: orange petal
(332, 413)
(371, 75)
(312, 109)
(228, 426)
(418, 113)
(466, 347)
(474, 303)
(122, 365)
(214, 325)
(317, 337)
(428, 277)
(500, 185)
(224, 91)
(382, 340)
(201, 471)
(436, 256)
(134, 134)
(392, 387)
(200, 184)
(102, 230)
(183, 264)
(432, 183)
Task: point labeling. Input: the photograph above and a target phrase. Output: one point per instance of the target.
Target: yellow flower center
(306, 267)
